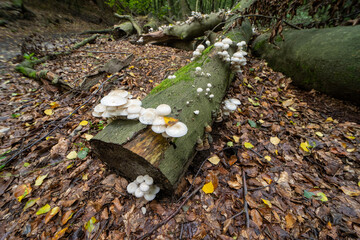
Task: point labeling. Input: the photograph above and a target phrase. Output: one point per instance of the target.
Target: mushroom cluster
(119, 103)
(238, 58)
(143, 187)
(230, 105)
(200, 48)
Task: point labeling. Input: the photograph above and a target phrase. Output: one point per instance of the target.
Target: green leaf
(308, 194)
(230, 144)
(89, 226)
(43, 210)
(252, 123)
(31, 203)
(322, 197)
(26, 164)
(83, 153)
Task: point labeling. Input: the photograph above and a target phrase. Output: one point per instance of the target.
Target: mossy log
(197, 28)
(327, 60)
(133, 149)
(132, 20)
(123, 30)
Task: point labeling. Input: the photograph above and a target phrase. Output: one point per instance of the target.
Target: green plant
(30, 57)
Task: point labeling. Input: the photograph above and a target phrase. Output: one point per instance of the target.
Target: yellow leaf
(322, 196)
(43, 210)
(304, 146)
(85, 176)
(329, 119)
(83, 123)
(319, 134)
(248, 145)
(292, 109)
(22, 191)
(214, 159)
(27, 124)
(39, 180)
(261, 121)
(51, 214)
(169, 121)
(54, 105)
(88, 136)
(236, 139)
(49, 112)
(72, 155)
(350, 137)
(267, 202)
(89, 226)
(208, 187)
(47, 138)
(70, 166)
(288, 103)
(131, 74)
(275, 140)
(60, 234)
(350, 191)
(131, 67)
(276, 152)
(268, 158)
(30, 203)
(150, 81)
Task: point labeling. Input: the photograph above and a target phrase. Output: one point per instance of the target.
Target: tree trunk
(184, 9)
(133, 149)
(186, 31)
(327, 60)
(124, 29)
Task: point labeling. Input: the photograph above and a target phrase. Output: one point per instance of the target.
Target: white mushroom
(100, 108)
(199, 90)
(139, 179)
(149, 197)
(118, 92)
(198, 69)
(211, 96)
(148, 180)
(179, 129)
(131, 187)
(159, 120)
(219, 44)
(147, 116)
(144, 187)
(230, 106)
(134, 109)
(209, 85)
(196, 112)
(207, 43)
(158, 128)
(106, 114)
(97, 114)
(235, 101)
(227, 41)
(139, 193)
(113, 101)
(201, 47)
(133, 116)
(133, 102)
(163, 110)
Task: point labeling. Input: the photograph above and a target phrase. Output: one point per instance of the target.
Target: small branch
(171, 215)
(245, 202)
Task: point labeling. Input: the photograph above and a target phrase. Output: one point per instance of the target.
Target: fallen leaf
(350, 150)
(248, 145)
(268, 158)
(60, 234)
(54, 105)
(30, 203)
(49, 112)
(88, 136)
(319, 134)
(274, 140)
(329, 119)
(83, 153)
(322, 197)
(208, 188)
(72, 155)
(39, 180)
(234, 184)
(89, 226)
(236, 139)
(304, 146)
(350, 191)
(67, 216)
(83, 123)
(290, 221)
(51, 214)
(22, 191)
(214, 159)
(169, 121)
(43, 210)
(267, 203)
(288, 103)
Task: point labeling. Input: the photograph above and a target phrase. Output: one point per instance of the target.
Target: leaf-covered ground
(296, 153)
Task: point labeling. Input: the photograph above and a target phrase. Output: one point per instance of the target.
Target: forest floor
(296, 152)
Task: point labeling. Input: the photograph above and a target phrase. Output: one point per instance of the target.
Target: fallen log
(189, 31)
(123, 30)
(327, 60)
(132, 20)
(133, 149)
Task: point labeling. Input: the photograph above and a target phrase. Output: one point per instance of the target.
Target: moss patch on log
(327, 60)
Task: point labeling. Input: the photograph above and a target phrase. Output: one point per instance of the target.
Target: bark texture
(327, 60)
(132, 149)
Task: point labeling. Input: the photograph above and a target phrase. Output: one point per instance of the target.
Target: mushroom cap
(133, 116)
(196, 112)
(106, 114)
(149, 197)
(154, 189)
(238, 55)
(227, 41)
(100, 108)
(159, 120)
(139, 179)
(139, 193)
(97, 114)
(144, 187)
(199, 90)
(163, 110)
(118, 92)
(147, 116)
(131, 187)
(200, 47)
(219, 44)
(196, 53)
(211, 95)
(148, 180)
(235, 101)
(158, 128)
(230, 106)
(134, 109)
(198, 69)
(179, 129)
(207, 89)
(225, 46)
(113, 101)
(120, 112)
(207, 42)
(209, 85)
(133, 102)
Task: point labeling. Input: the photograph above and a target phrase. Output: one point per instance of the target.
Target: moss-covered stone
(327, 60)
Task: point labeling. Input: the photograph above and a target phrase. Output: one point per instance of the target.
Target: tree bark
(132, 20)
(133, 149)
(327, 60)
(123, 29)
(186, 31)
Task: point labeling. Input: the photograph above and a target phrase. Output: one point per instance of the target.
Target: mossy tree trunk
(132, 149)
(327, 60)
